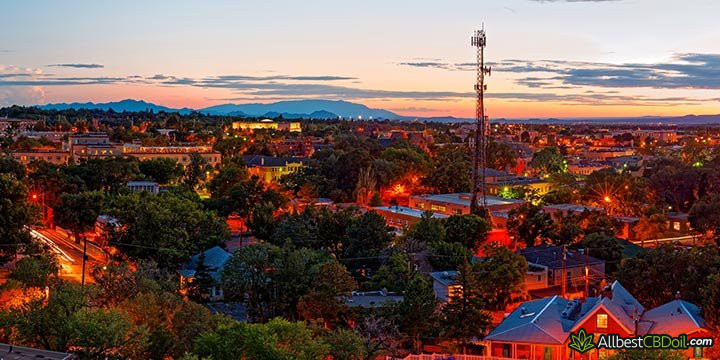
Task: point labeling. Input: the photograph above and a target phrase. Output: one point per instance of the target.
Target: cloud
(682, 71)
(79, 66)
(573, 1)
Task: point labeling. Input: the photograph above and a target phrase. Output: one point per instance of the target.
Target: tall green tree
(17, 212)
(469, 230)
(529, 224)
(78, 212)
(417, 310)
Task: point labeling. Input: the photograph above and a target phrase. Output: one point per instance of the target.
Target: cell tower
(482, 131)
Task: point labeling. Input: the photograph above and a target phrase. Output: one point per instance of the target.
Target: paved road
(70, 254)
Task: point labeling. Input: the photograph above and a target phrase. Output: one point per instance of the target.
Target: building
(458, 203)
(270, 168)
(445, 285)
(566, 209)
(678, 221)
(540, 329)
(551, 257)
(14, 352)
(267, 124)
(371, 299)
(57, 157)
(19, 124)
(150, 186)
(538, 185)
(215, 260)
(181, 154)
(668, 136)
(585, 168)
(402, 216)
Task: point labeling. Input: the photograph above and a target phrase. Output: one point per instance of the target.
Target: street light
(607, 199)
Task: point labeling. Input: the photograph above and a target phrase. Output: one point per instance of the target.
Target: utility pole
(82, 281)
(564, 267)
(587, 273)
(478, 40)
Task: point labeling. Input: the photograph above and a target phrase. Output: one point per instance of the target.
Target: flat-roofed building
(181, 154)
(268, 124)
(541, 186)
(402, 216)
(57, 157)
(458, 203)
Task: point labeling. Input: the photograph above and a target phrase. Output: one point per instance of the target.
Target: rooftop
(551, 256)
(447, 278)
(463, 199)
(12, 352)
(408, 211)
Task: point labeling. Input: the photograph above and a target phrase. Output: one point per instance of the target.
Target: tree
(464, 318)
(568, 229)
(428, 230)
(705, 214)
(79, 212)
(500, 274)
(650, 227)
(162, 170)
(202, 281)
(655, 275)
(500, 156)
(195, 171)
(450, 170)
(276, 340)
(345, 345)
(324, 301)
(166, 228)
(36, 270)
(648, 354)
(530, 224)
(710, 295)
(16, 212)
(605, 247)
(469, 230)
(549, 160)
(448, 256)
(262, 222)
(417, 310)
(395, 275)
(96, 333)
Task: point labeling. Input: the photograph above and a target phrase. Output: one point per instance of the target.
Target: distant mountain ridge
(294, 109)
(332, 109)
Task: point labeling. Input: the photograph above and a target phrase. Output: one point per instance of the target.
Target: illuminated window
(439, 208)
(602, 321)
(676, 225)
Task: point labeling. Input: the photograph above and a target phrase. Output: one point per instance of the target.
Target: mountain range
(296, 109)
(332, 109)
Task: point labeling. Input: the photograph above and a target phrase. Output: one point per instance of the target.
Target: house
(270, 168)
(445, 285)
(214, 260)
(403, 216)
(678, 221)
(551, 257)
(14, 352)
(149, 186)
(540, 329)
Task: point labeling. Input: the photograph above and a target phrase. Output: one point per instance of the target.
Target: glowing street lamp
(607, 199)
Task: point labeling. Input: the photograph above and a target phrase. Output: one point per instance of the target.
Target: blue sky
(550, 58)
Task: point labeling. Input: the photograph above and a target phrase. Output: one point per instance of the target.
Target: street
(70, 254)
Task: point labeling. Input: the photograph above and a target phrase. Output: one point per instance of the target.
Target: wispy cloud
(79, 66)
(574, 1)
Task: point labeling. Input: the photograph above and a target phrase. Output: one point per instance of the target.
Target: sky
(551, 58)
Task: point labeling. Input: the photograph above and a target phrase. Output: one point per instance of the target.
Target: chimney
(677, 295)
(607, 292)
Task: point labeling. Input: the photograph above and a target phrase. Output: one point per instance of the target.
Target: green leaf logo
(581, 342)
